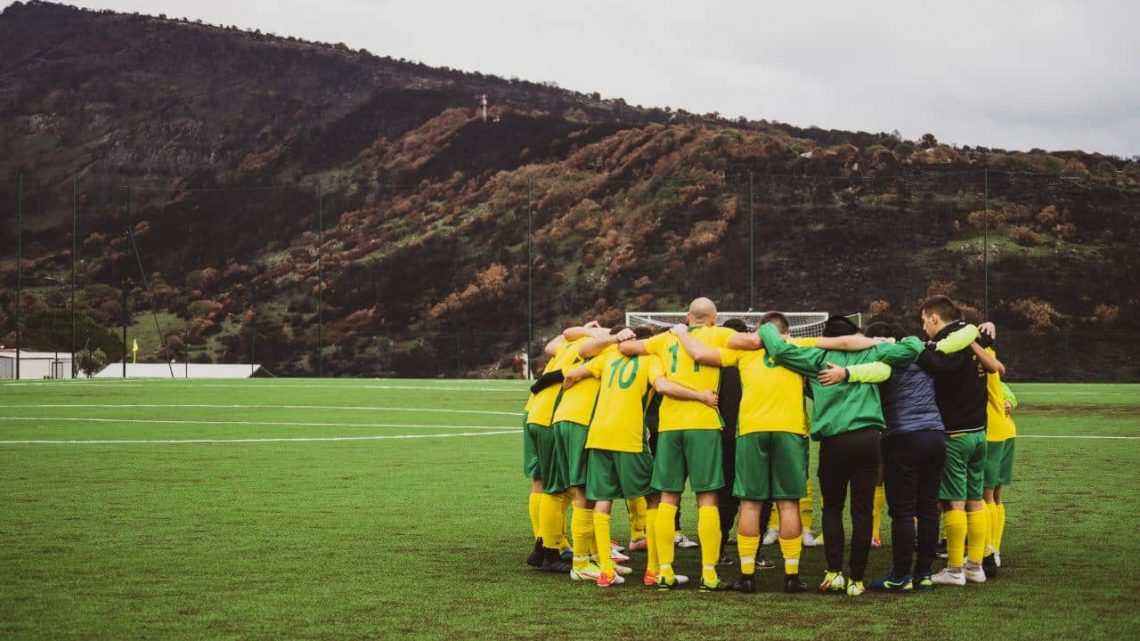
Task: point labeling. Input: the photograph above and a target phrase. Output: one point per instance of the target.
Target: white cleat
(770, 536)
(617, 557)
(683, 541)
(997, 558)
(946, 577)
(810, 541)
(589, 573)
(974, 573)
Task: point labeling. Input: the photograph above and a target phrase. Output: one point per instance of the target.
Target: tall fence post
(320, 280)
(751, 243)
(986, 244)
(74, 257)
(19, 268)
(529, 279)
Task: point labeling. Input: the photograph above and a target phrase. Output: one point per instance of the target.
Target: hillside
(260, 166)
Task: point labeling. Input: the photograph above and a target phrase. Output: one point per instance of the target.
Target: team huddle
(629, 414)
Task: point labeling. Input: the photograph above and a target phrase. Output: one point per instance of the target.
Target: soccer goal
(802, 323)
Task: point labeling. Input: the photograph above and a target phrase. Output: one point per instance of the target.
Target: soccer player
(571, 427)
(620, 465)
(770, 448)
(730, 396)
(960, 392)
(688, 442)
(543, 442)
(846, 419)
(1001, 433)
(914, 451)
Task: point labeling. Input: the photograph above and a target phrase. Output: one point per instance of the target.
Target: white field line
(155, 421)
(159, 381)
(208, 441)
(1079, 436)
(350, 408)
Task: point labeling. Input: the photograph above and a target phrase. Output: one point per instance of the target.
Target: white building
(35, 365)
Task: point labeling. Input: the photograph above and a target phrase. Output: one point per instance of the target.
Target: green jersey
(843, 407)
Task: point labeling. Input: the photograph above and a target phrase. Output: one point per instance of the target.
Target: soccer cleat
(683, 541)
(716, 585)
(623, 570)
(639, 544)
(725, 559)
(665, 584)
(618, 547)
(650, 579)
(989, 566)
(997, 558)
(940, 550)
(946, 577)
(811, 540)
(590, 572)
(555, 566)
(763, 563)
(770, 536)
(833, 582)
(923, 582)
(567, 555)
(793, 584)
(746, 583)
(606, 580)
(617, 557)
(876, 542)
(892, 583)
(855, 588)
(535, 558)
(974, 573)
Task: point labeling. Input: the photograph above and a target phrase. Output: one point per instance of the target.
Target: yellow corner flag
(135, 351)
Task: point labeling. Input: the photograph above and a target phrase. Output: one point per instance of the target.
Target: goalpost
(802, 323)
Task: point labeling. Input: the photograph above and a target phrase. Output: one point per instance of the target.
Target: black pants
(912, 464)
(726, 503)
(848, 459)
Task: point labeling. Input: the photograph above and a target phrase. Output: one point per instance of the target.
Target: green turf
(401, 537)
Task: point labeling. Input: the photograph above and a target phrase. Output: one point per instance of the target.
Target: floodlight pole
(19, 270)
(529, 279)
(320, 278)
(751, 243)
(986, 245)
(126, 238)
(74, 253)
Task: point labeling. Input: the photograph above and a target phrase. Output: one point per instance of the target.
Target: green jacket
(844, 407)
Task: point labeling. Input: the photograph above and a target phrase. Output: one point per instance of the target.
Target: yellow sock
(877, 511)
(566, 501)
(582, 529)
(955, 523)
(708, 531)
(637, 518)
(602, 539)
(747, 546)
(997, 527)
(665, 515)
(977, 527)
(535, 503)
(806, 510)
(550, 521)
(791, 549)
(652, 565)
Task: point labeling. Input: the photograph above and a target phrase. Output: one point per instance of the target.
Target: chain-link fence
(452, 273)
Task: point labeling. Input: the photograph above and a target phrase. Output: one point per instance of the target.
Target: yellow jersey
(772, 396)
(626, 387)
(680, 368)
(541, 410)
(577, 403)
(999, 427)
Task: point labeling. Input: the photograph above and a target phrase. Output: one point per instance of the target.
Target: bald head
(702, 311)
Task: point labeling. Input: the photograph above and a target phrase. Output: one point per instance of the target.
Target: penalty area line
(213, 441)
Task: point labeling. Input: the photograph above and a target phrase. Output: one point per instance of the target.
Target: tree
(928, 141)
(91, 362)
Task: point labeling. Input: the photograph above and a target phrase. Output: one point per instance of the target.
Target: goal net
(802, 323)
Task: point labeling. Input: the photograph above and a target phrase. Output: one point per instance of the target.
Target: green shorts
(569, 457)
(538, 451)
(771, 465)
(618, 475)
(692, 454)
(999, 463)
(963, 476)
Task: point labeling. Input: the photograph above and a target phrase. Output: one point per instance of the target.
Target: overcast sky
(999, 73)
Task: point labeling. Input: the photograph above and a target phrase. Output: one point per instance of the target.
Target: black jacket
(959, 385)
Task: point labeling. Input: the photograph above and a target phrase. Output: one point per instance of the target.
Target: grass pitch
(226, 510)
